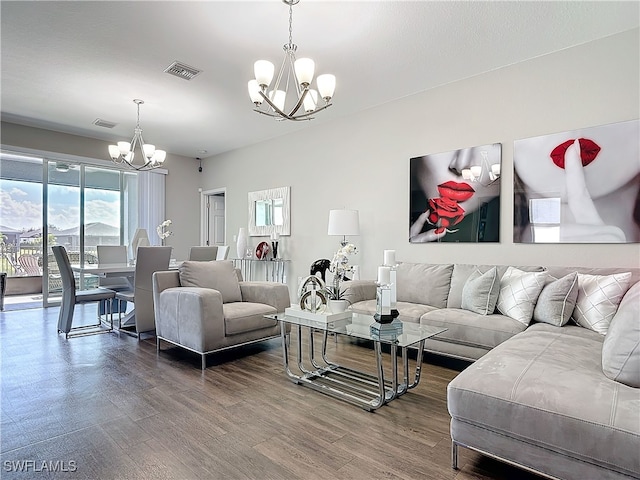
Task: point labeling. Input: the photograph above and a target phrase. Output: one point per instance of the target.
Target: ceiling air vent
(104, 123)
(182, 70)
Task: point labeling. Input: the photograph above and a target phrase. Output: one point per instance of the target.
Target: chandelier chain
(290, 25)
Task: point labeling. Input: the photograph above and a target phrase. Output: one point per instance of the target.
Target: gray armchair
(205, 307)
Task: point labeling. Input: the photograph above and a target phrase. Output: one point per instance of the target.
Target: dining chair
(203, 254)
(113, 254)
(223, 252)
(148, 261)
(71, 297)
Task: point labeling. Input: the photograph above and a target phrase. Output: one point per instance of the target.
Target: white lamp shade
(159, 156)
(344, 222)
(310, 101)
(495, 169)
(278, 97)
(129, 157)
(466, 174)
(114, 151)
(124, 147)
(476, 170)
(326, 85)
(254, 92)
(263, 70)
(304, 68)
(148, 150)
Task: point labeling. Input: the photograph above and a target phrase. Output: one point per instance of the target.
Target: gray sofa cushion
(598, 299)
(480, 292)
(545, 387)
(472, 329)
(409, 312)
(519, 292)
(423, 283)
(621, 347)
(557, 300)
(218, 275)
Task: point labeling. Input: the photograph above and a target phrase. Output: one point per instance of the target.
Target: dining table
(126, 270)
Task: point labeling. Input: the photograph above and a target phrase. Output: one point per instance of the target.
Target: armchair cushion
(217, 275)
(242, 317)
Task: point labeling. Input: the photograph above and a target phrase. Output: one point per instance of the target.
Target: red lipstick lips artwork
(445, 211)
(588, 151)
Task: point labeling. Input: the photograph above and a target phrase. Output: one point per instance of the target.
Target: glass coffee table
(360, 388)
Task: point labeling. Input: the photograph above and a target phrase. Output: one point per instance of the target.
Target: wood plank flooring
(108, 407)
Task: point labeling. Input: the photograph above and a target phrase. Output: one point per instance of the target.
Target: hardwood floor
(108, 407)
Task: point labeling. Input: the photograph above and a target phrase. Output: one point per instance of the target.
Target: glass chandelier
(276, 103)
(124, 152)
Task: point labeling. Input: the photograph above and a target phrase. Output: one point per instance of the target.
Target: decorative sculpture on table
(274, 244)
(312, 295)
(320, 266)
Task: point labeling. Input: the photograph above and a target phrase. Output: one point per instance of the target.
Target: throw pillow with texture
(480, 292)
(621, 347)
(218, 275)
(598, 299)
(557, 300)
(519, 291)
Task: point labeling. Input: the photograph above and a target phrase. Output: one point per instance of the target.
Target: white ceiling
(65, 64)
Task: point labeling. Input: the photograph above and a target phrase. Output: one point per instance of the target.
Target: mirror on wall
(269, 212)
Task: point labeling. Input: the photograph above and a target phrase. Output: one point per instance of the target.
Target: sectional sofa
(554, 386)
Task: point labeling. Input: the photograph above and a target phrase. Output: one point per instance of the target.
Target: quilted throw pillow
(519, 291)
(598, 299)
(557, 300)
(480, 292)
(218, 275)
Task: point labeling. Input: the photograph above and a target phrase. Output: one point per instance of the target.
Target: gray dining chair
(203, 254)
(148, 261)
(113, 254)
(71, 297)
(223, 252)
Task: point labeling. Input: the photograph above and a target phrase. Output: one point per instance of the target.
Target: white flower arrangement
(340, 266)
(161, 229)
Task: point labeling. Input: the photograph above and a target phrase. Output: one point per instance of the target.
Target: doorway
(213, 218)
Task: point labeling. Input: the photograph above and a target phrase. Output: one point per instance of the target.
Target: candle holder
(390, 261)
(383, 303)
(274, 249)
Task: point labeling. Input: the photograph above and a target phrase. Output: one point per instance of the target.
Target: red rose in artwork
(444, 213)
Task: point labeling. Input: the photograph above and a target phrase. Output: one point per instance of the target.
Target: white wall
(362, 162)
(182, 197)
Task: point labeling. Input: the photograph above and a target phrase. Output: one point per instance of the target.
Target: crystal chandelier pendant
(291, 97)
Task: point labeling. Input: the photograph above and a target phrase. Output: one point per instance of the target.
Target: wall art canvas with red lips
(578, 186)
(450, 204)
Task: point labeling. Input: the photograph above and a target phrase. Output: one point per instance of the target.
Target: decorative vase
(242, 243)
(338, 306)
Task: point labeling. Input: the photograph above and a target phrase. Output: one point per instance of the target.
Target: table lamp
(344, 222)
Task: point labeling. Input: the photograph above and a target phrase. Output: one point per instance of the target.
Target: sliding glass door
(51, 202)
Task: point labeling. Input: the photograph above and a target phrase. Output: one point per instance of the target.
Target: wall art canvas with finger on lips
(455, 195)
(578, 186)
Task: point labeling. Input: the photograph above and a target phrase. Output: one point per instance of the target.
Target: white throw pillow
(480, 292)
(519, 291)
(598, 299)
